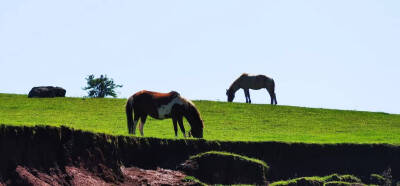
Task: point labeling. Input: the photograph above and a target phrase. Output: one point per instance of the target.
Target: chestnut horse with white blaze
(255, 82)
(162, 106)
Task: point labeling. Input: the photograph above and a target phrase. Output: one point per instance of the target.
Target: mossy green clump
(344, 178)
(342, 183)
(235, 156)
(299, 181)
(333, 179)
(378, 179)
(193, 180)
(216, 167)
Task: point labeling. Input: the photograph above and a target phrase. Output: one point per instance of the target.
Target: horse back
(163, 98)
(156, 95)
(148, 102)
(256, 81)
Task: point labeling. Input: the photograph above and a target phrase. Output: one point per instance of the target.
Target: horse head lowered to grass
(255, 82)
(163, 106)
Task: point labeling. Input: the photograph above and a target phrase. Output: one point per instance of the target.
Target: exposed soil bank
(81, 176)
(61, 156)
(50, 150)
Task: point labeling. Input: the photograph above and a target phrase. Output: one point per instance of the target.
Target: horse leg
(175, 126)
(272, 99)
(247, 95)
(132, 129)
(181, 126)
(143, 120)
(271, 95)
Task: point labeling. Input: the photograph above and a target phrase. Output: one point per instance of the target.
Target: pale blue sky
(332, 54)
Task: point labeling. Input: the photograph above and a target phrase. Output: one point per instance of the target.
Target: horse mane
(174, 93)
(187, 103)
(234, 84)
(190, 106)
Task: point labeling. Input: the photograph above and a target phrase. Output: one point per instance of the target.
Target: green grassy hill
(223, 121)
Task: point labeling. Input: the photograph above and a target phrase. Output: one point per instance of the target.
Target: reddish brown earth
(82, 176)
(154, 177)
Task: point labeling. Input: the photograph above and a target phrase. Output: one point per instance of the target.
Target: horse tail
(129, 117)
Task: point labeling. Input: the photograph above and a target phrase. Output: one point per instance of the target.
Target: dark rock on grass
(226, 168)
(46, 92)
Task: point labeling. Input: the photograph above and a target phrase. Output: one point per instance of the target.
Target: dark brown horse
(255, 82)
(162, 106)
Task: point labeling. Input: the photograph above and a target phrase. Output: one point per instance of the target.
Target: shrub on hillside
(101, 87)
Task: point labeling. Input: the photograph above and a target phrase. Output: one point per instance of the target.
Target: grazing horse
(162, 106)
(256, 82)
